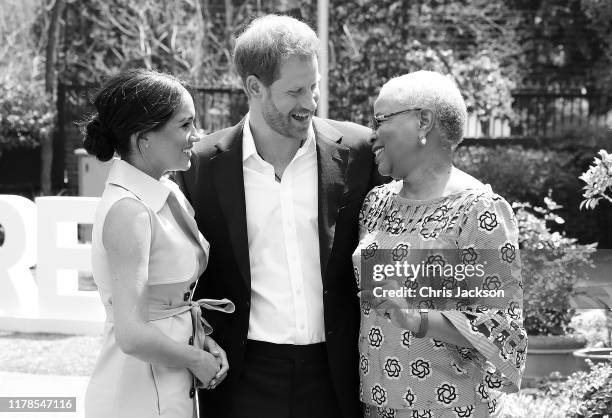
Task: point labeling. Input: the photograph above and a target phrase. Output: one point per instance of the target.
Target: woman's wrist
(412, 319)
(421, 330)
(194, 357)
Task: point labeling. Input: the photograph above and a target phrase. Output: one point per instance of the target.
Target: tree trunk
(46, 146)
(229, 20)
(203, 51)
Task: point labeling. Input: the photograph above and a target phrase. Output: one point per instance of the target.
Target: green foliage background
(27, 114)
(375, 41)
(488, 47)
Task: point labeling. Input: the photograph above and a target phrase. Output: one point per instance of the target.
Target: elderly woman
(434, 346)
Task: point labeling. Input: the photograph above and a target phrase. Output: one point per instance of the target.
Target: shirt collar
(248, 143)
(151, 191)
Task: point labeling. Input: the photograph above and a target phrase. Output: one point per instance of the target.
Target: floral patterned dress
(403, 376)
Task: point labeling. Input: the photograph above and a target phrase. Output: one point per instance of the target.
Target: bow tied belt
(201, 327)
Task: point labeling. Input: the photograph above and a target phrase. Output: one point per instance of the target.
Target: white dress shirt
(283, 233)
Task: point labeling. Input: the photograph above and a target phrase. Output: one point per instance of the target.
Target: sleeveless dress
(403, 376)
(122, 385)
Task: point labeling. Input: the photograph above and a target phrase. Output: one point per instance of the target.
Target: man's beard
(282, 123)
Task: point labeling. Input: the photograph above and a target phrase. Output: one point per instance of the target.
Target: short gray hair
(267, 41)
(437, 92)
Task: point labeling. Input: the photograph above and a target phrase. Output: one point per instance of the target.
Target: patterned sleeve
(488, 235)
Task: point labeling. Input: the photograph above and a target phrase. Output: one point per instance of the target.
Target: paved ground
(46, 365)
(22, 384)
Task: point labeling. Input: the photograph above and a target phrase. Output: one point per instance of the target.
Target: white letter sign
(45, 235)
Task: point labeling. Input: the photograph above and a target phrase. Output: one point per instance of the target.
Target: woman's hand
(394, 308)
(205, 368)
(213, 348)
(398, 311)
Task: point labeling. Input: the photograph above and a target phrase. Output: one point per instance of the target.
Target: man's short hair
(434, 91)
(267, 41)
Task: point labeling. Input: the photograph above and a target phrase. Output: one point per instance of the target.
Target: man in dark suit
(278, 198)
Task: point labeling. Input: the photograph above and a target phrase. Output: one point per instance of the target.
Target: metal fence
(538, 114)
(541, 115)
(548, 115)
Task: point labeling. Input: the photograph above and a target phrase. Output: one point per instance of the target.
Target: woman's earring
(423, 140)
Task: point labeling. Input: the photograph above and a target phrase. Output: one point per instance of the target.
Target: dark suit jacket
(215, 187)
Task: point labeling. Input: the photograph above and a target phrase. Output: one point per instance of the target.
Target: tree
(46, 144)
(101, 38)
(189, 38)
(19, 49)
(566, 42)
(26, 113)
(473, 42)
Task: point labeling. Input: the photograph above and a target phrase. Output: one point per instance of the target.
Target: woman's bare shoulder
(127, 223)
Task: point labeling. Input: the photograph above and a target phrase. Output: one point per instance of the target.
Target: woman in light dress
(147, 255)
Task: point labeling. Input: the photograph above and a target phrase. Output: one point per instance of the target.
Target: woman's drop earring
(423, 140)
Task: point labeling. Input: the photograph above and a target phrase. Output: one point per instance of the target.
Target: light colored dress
(403, 376)
(122, 385)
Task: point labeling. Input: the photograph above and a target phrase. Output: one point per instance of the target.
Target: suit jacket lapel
(228, 180)
(332, 160)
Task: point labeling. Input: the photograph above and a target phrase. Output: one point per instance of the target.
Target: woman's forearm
(440, 328)
(145, 342)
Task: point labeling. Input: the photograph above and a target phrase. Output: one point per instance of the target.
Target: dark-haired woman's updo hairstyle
(133, 101)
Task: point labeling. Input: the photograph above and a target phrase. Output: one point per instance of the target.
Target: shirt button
(192, 285)
(191, 392)
(190, 340)
(186, 296)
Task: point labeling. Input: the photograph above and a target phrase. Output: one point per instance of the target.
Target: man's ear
(254, 87)
(426, 120)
